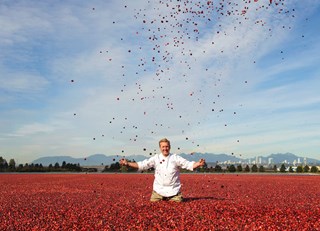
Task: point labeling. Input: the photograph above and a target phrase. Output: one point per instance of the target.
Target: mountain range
(102, 159)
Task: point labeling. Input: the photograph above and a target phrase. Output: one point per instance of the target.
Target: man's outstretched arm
(129, 164)
(201, 162)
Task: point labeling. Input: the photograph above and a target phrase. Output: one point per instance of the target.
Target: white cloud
(22, 82)
(31, 129)
(48, 46)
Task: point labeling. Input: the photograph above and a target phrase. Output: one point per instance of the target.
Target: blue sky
(114, 77)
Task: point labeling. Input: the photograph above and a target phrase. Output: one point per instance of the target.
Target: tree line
(11, 167)
(261, 168)
(116, 167)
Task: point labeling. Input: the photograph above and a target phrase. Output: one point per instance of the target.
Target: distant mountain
(93, 160)
(290, 158)
(210, 157)
(274, 158)
(101, 159)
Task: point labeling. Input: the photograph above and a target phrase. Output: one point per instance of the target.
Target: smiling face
(164, 148)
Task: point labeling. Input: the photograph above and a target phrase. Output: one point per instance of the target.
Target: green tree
(232, 168)
(275, 168)
(123, 168)
(247, 168)
(314, 169)
(115, 166)
(283, 168)
(56, 165)
(239, 168)
(12, 165)
(3, 163)
(40, 168)
(261, 168)
(20, 168)
(25, 168)
(254, 168)
(72, 167)
(106, 168)
(306, 168)
(291, 169)
(299, 169)
(217, 168)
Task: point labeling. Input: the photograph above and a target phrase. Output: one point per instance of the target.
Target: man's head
(164, 145)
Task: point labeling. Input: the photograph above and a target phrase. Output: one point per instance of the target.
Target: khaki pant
(157, 197)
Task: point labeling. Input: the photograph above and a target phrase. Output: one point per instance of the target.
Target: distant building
(295, 163)
(270, 161)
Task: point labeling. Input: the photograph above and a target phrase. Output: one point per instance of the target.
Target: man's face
(165, 148)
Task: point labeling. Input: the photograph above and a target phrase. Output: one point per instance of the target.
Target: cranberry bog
(121, 202)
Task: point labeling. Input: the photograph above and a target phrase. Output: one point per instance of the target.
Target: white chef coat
(167, 175)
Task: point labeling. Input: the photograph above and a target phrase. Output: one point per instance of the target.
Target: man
(166, 185)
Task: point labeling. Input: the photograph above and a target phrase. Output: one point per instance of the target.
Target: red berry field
(121, 202)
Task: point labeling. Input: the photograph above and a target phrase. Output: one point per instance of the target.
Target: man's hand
(123, 162)
(201, 162)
